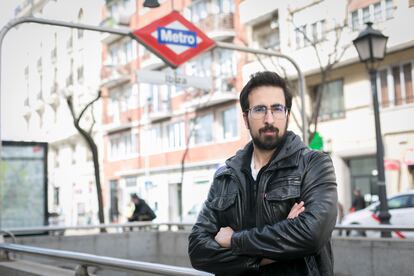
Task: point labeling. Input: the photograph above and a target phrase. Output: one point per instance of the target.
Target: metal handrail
(139, 225)
(375, 227)
(169, 225)
(85, 259)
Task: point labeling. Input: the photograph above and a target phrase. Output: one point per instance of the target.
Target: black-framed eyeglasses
(258, 112)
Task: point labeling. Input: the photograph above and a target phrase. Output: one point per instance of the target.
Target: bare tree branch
(86, 135)
(333, 58)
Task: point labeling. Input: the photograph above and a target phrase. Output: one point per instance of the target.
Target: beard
(268, 142)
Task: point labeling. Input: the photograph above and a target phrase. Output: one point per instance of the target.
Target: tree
(334, 53)
(87, 136)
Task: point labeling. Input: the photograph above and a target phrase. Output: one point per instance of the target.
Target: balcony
(119, 19)
(150, 61)
(159, 112)
(53, 100)
(218, 26)
(223, 92)
(27, 111)
(39, 105)
(114, 75)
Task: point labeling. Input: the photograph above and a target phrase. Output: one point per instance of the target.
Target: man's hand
(296, 210)
(223, 237)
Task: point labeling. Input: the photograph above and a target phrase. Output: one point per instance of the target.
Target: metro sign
(174, 39)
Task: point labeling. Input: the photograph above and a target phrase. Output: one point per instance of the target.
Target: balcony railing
(159, 112)
(114, 75)
(218, 25)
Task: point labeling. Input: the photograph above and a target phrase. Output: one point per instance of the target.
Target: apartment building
(165, 142)
(150, 129)
(346, 120)
(61, 62)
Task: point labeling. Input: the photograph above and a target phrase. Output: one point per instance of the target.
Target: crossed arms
(218, 249)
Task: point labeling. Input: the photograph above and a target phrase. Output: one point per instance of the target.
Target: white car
(401, 208)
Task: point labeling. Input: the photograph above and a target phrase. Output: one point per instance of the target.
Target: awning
(391, 165)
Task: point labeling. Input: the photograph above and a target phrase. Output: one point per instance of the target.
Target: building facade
(346, 120)
(164, 142)
(58, 63)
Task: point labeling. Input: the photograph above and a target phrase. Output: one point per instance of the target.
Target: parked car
(401, 208)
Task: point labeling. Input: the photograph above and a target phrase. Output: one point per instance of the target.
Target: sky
(6, 10)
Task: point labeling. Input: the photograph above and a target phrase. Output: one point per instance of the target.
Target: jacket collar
(290, 148)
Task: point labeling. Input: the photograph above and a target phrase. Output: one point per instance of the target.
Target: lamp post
(371, 45)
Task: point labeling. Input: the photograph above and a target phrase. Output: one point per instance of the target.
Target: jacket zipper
(239, 211)
(261, 196)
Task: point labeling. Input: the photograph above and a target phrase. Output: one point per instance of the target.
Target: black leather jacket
(299, 246)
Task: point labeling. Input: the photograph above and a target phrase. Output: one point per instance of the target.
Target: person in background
(142, 211)
(358, 203)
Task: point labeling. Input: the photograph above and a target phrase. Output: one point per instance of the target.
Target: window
(131, 181)
(176, 135)
(156, 141)
(73, 154)
(332, 102)
(203, 129)
(201, 66)
(222, 6)
(396, 85)
(123, 145)
(375, 12)
(266, 34)
(384, 89)
(389, 8)
(314, 32)
(159, 100)
(399, 202)
(122, 53)
(124, 98)
(362, 178)
(56, 196)
(224, 70)
(198, 11)
(56, 158)
(411, 201)
(365, 15)
(230, 123)
(355, 20)
(80, 73)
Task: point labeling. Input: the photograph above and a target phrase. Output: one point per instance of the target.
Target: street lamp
(151, 4)
(371, 45)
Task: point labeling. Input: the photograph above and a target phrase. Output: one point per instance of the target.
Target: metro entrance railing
(84, 260)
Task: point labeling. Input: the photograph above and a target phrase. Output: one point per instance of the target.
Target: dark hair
(265, 78)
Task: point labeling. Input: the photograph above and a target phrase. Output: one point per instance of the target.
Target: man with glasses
(254, 221)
